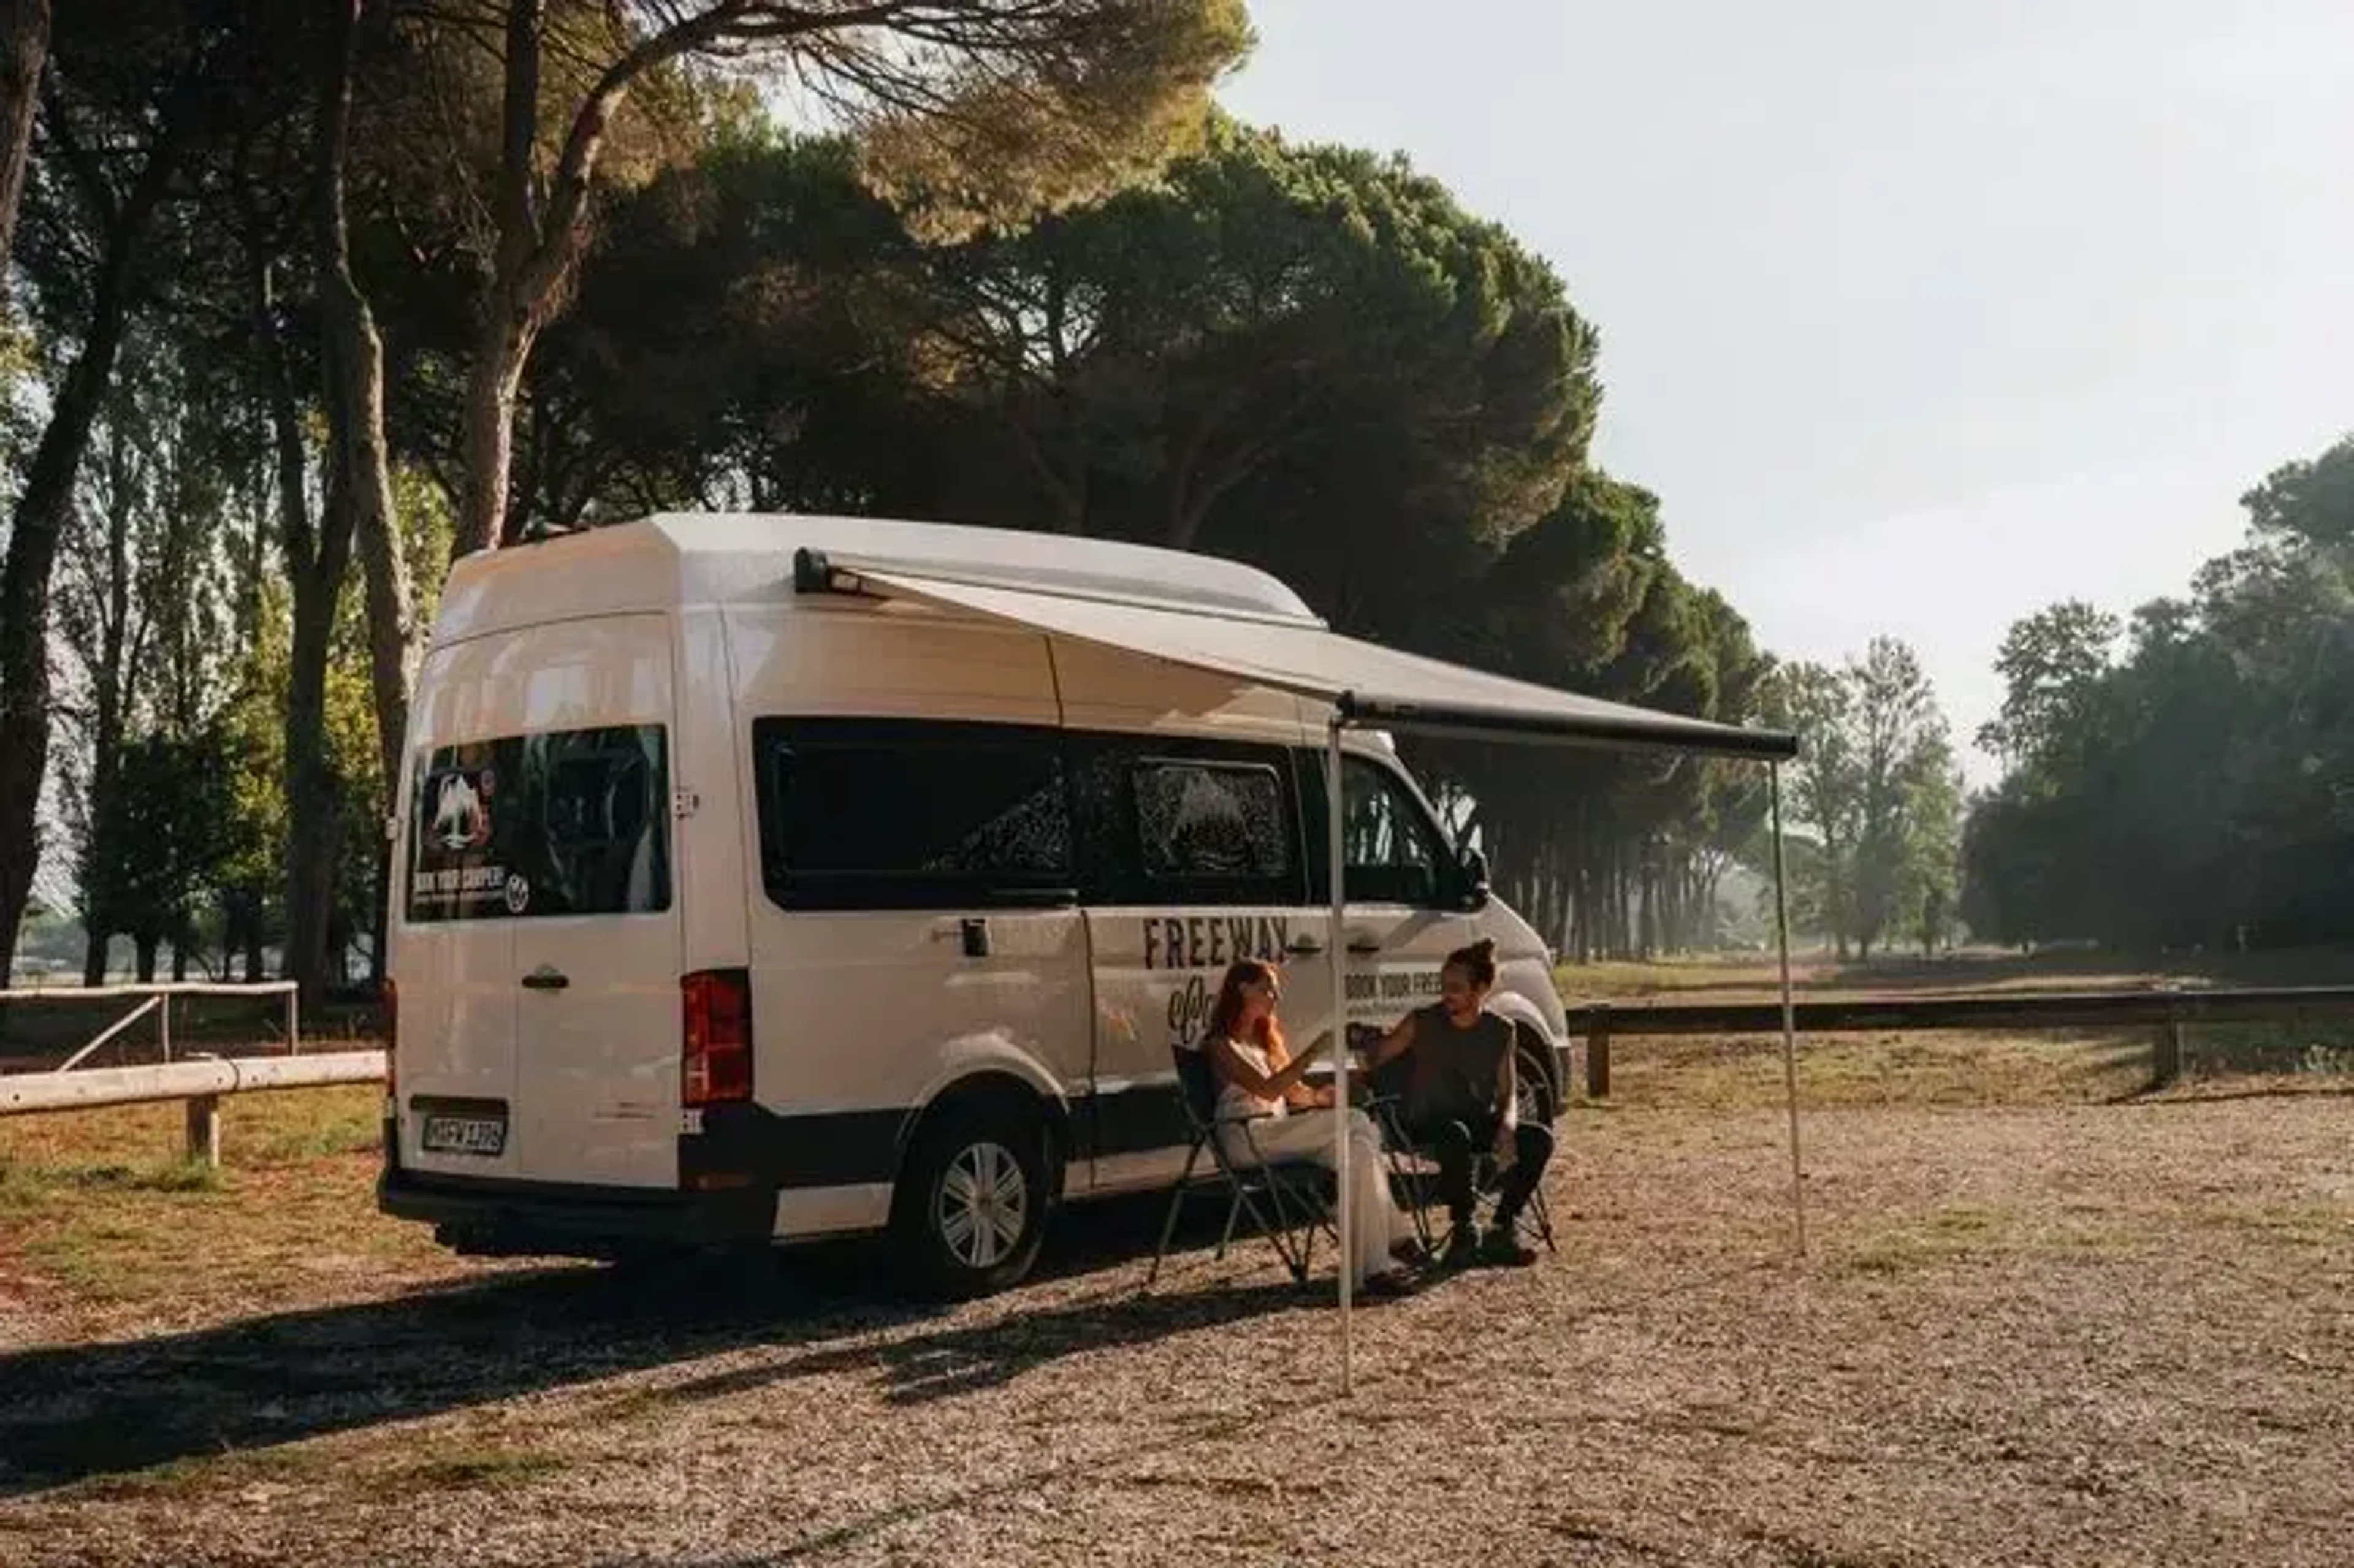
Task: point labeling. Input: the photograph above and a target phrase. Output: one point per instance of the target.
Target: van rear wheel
(1533, 1088)
(970, 1210)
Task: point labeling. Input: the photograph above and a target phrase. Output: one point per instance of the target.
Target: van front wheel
(970, 1210)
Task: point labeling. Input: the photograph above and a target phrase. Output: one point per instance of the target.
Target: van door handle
(1304, 947)
(1363, 946)
(546, 979)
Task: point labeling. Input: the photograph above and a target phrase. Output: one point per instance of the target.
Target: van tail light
(715, 1037)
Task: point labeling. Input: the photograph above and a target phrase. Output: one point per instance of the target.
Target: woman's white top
(1233, 1100)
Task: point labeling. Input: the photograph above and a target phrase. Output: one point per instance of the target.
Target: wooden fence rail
(200, 1083)
(2165, 1011)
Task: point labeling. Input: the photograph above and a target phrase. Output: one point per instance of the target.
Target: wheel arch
(981, 1068)
(1533, 1039)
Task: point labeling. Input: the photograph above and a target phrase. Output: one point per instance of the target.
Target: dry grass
(104, 1227)
(1752, 978)
(1693, 978)
(2042, 1319)
(2059, 1333)
(1952, 1068)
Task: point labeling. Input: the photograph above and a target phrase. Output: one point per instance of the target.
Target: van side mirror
(1474, 877)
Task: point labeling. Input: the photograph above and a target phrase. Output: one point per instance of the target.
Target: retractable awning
(1367, 684)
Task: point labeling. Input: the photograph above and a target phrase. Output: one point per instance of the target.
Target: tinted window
(1393, 854)
(887, 814)
(1167, 821)
(1211, 820)
(563, 823)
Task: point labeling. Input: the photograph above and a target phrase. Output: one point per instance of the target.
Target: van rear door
(538, 954)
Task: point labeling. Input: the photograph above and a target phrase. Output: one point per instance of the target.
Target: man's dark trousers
(1458, 1141)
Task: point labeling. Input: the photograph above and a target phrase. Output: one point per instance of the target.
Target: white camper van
(767, 878)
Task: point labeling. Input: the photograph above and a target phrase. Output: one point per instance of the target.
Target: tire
(973, 1197)
(1534, 1080)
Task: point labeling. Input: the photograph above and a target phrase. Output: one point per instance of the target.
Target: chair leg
(1295, 1252)
(1227, 1235)
(1294, 1247)
(1403, 1159)
(1169, 1222)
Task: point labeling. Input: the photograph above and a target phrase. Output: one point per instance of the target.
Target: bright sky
(1918, 316)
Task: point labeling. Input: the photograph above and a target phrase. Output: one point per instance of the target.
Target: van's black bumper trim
(501, 1217)
(837, 1148)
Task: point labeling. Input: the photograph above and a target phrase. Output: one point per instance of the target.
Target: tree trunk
(1646, 890)
(317, 560)
(41, 513)
(354, 395)
(180, 946)
(501, 349)
(110, 699)
(24, 47)
(1622, 903)
(380, 914)
(508, 310)
(315, 795)
(147, 943)
(353, 368)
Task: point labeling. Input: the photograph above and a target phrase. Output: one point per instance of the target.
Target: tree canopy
(308, 296)
(2187, 780)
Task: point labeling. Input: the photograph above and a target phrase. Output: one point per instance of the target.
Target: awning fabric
(1367, 684)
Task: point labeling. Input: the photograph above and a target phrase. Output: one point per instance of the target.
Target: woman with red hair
(1259, 1081)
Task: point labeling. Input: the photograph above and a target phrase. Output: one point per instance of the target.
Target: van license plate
(466, 1135)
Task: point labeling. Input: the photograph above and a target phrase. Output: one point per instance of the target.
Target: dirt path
(2057, 1336)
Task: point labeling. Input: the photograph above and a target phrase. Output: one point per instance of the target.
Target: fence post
(204, 1130)
(1597, 1056)
(2165, 1054)
(164, 1026)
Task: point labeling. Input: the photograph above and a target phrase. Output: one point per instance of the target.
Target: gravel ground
(2077, 1335)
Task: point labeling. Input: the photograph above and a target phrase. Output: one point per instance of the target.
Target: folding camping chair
(1413, 1167)
(1291, 1190)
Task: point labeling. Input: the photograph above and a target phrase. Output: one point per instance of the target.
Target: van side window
(910, 814)
(1213, 819)
(1392, 852)
(559, 823)
(1173, 821)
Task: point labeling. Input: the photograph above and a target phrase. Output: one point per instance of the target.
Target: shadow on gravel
(73, 1413)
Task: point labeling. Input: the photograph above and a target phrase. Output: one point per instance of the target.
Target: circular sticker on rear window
(518, 894)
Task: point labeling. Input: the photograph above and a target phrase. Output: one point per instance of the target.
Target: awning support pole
(1336, 950)
(1789, 1010)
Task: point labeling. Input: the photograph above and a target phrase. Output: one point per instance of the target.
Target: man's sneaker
(1463, 1248)
(1502, 1249)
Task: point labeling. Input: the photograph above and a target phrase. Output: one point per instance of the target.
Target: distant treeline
(2187, 780)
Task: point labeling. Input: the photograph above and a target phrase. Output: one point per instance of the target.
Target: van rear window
(559, 823)
(911, 814)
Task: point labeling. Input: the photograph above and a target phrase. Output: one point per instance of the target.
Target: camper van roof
(682, 557)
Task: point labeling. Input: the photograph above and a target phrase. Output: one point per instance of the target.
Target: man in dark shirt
(1460, 1097)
